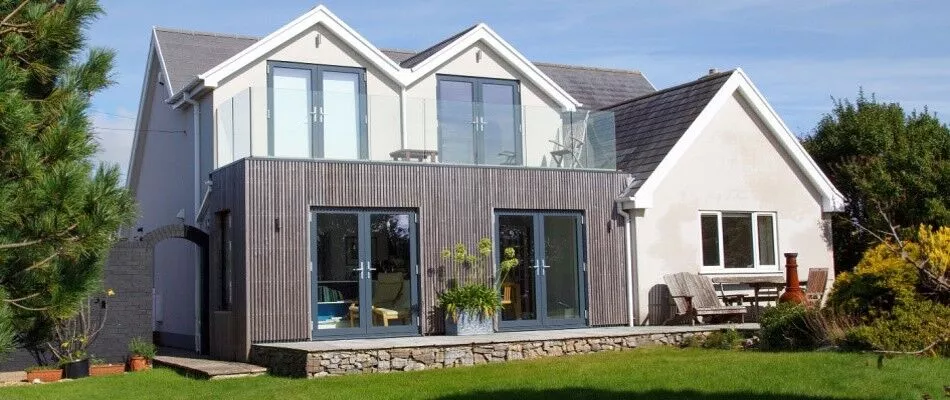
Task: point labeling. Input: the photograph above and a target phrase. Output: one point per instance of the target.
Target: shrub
(692, 341)
(725, 339)
(908, 328)
(140, 347)
(877, 284)
(784, 328)
(473, 298)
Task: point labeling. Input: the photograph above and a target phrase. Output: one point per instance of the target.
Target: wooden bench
(695, 297)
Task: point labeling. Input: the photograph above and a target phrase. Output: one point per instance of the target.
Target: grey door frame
(316, 101)
(478, 111)
(365, 285)
(541, 320)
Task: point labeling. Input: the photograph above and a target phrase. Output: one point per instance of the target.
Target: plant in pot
(73, 335)
(44, 373)
(100, 367)
(470, 305)
(141, 354)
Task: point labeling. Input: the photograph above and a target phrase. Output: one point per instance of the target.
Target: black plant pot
(76, 369)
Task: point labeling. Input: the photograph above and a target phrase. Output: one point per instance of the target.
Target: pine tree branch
(42, 262)
(14, 12)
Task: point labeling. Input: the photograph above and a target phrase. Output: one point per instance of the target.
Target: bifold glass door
(547, 287)
(364, 273)
(317, 111)
(479, 121)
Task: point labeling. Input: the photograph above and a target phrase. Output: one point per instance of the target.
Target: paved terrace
(340, 357)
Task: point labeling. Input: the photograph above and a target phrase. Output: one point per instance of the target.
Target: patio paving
(210, 369)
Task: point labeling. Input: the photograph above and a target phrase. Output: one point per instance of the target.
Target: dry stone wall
(300, 363)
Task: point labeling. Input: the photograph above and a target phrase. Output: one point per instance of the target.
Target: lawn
(656, 373)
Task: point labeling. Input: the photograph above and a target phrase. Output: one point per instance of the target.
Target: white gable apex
(831, 199)
(403, 76)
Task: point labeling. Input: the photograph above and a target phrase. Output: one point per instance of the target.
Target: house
(329, 175)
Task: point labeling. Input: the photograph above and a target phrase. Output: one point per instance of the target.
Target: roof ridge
(672, 88)
(592, 68)
(204, 33)
(411, 61)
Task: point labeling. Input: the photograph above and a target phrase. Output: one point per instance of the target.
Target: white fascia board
(131, 175)
(831, 198)
(403, 76)
(319, 15)
(644, 196)
(483, 33)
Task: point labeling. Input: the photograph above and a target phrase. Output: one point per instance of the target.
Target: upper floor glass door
(479, 121)
(317, 111)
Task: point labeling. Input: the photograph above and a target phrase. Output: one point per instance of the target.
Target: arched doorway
(201, 240)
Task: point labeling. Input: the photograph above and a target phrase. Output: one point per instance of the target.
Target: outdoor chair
(815, 287)
(695, 297)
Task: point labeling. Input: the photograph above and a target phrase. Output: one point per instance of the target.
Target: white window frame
(757, 267)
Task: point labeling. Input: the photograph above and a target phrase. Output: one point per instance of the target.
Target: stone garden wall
(303, 364)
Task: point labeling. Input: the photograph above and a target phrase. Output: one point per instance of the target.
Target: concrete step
(210, 369)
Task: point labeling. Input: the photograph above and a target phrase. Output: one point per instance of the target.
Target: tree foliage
(886, 162)
(59, 213)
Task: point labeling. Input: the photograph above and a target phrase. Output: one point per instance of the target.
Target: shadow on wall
(586, 393)
(824, 226)
(660, 304)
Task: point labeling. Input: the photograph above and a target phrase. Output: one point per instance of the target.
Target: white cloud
(113, 133)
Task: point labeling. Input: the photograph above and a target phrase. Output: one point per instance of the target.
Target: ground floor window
(738, 241)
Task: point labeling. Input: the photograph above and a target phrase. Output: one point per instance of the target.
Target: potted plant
(100, 367)
(44, 373)
(141, 354)
(470, 305)
(73, 335)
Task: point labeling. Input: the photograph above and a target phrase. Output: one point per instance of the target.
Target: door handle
(360, 269)
(544, 266)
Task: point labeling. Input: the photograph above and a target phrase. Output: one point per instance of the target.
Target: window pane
(500, 130)
(737, 240)
(291, 112)
(341, 126)
(456, 116)
(710, 227)
(766, 240)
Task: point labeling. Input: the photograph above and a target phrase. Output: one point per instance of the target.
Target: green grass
(655, 373)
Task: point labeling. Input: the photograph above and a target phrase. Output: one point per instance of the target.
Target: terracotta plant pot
(138, 363)
(106, 369)
(44, 375)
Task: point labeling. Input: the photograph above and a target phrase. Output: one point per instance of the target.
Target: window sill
(742, 272)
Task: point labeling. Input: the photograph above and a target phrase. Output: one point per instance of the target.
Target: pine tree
(59, 213)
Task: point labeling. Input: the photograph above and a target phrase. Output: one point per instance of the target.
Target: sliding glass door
(479, 121)
(547, 287)
(363, 279)
(317, 111)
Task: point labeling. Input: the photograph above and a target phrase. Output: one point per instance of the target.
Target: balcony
(343, 125)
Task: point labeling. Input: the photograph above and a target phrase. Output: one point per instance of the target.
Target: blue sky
(799, 54)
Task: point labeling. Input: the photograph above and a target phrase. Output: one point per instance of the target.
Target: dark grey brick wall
(127, 271)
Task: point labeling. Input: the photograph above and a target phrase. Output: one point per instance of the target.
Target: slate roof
(647, 127)
(188, 53)
(424, 54)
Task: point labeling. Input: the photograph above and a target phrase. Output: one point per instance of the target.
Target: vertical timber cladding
(229, 329)
(455, 203)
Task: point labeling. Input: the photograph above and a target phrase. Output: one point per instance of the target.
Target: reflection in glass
(341, 115)
(337, 271)
(291, 98)
(390, 257)
(561, 257)
(499, 126)
(766, 239)
(737, 240)
(456, 122)
(518, 301)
